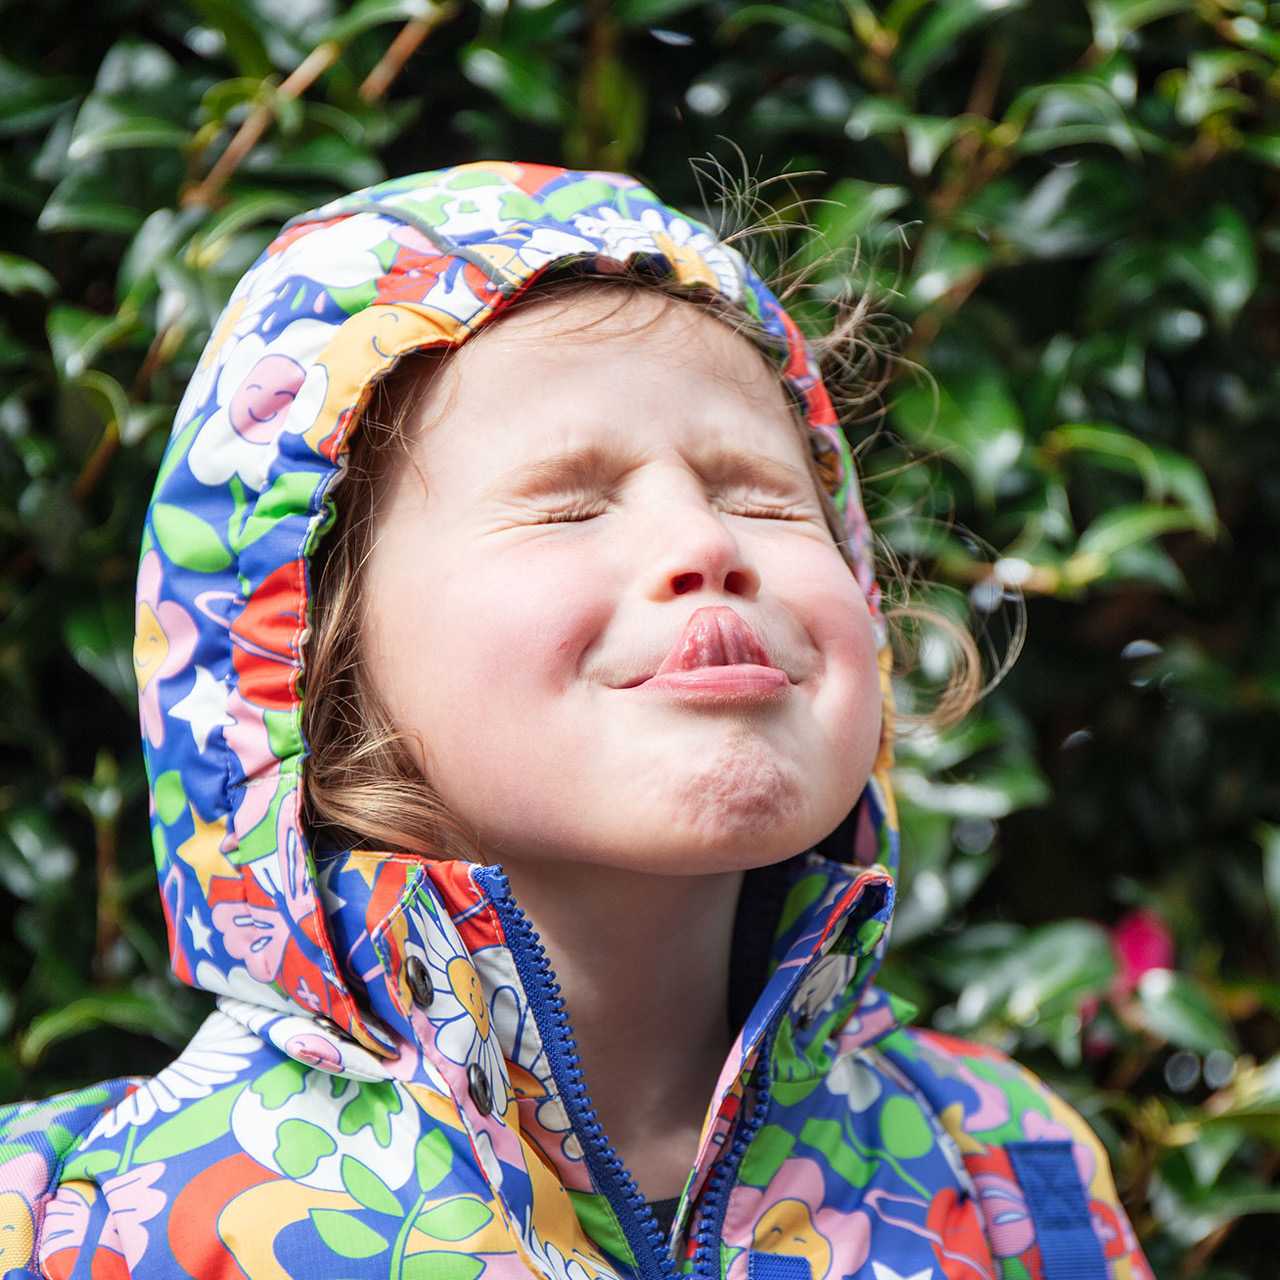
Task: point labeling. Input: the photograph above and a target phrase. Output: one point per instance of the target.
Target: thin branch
(312, 67)
(401, 49)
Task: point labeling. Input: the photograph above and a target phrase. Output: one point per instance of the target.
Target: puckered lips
(717, 657)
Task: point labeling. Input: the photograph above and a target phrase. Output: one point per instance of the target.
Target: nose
(699, 552)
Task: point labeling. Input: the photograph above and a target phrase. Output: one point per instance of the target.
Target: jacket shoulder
(1025, 1149)
(37, 1139)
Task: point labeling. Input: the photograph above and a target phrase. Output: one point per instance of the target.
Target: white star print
(888, 1273)
(205, 707)
(199, 931)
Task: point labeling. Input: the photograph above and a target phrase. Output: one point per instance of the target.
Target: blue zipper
(640, 1228)
(706, 1261)
(636, 1219)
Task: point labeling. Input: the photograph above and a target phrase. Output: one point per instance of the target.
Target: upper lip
(713, 636)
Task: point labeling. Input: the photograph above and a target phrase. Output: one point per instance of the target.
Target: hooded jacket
(389, 1085)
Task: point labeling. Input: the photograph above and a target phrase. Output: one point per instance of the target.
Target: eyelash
(581, 512)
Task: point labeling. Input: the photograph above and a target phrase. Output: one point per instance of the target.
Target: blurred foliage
(1070, 212)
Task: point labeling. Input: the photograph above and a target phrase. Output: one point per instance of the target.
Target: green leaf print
(345, 1234)
(368, 1188)
(192, 1127)
(372, 1106)
(794, 1076)
(803, 894)
(575, 196)
(187, 540)
(176, 451)
(86, 1166)
(827, 1136)
(277, 1086)
(455, 1219)
(300, 1146)
(441, 1266)
(432, 1159)
(171, 799)
(903, 1129)
(289, 493)
(772, 1145)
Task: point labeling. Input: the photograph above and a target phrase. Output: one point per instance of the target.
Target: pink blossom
(164, 640)
(787, 1218)
(1141, 941)
(256, 935)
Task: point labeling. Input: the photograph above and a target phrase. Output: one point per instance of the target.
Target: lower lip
(743, 682)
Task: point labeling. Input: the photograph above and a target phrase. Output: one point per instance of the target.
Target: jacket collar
(449, 970)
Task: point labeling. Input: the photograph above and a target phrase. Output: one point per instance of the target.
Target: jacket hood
(244, 494)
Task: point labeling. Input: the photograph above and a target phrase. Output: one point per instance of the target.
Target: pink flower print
(258, 395)
(1004, 1210)
(263, 398)
(993, 1103)
(305, 996)
(247, 738)
(412, 238)
(66, 1220)
(256, 935)
(316, 1050)
(134, 1201)
(788, 1219)
(164, 640)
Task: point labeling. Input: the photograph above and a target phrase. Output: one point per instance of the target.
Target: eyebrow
(584, 467)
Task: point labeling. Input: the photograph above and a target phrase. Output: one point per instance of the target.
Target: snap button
(419, 980)
(478, 1087)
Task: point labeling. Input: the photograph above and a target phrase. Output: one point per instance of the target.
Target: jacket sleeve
(36, 1141)
(1040, 1174)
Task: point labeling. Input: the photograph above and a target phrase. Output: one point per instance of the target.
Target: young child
(518, 734)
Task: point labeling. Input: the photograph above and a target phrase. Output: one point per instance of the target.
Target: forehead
(631, 368)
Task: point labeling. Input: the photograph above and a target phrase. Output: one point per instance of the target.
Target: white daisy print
(257, 387)
(676, 240)
(459, 1010)
(852, 1078)
(555, 1264)
(216, 1054)
(828, 977)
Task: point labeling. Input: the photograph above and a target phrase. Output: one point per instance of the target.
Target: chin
(737, 811)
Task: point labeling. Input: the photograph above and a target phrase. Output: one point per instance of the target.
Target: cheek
(520, 622)
(475, 644)
(849, 702)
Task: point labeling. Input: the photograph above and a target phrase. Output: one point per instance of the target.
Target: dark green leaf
(99, 635)
(940, 33)
(372, 13)
(144, 1014)
(104, 125)
(526, 84)
(88, 201)
(20, 275)
(1178, 1009)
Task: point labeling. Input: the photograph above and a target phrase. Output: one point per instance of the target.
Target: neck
(643, 964)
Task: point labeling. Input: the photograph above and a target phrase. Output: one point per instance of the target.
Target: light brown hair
(362, 785)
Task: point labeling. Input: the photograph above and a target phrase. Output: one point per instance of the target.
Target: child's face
(501, 635)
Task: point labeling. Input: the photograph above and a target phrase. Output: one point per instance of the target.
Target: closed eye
(581, 512)
(573, 514)
(768, 513)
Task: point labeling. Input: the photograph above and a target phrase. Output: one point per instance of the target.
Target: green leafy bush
(1067, 213)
